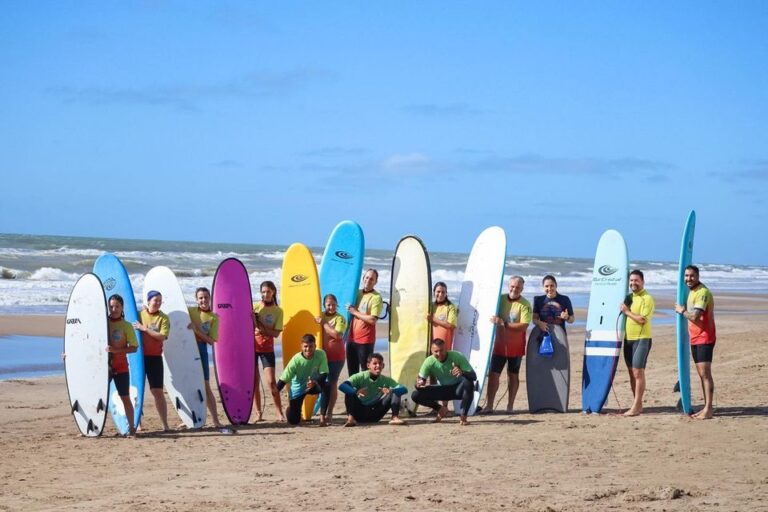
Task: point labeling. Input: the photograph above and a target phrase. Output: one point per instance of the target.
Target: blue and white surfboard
(342, 264)
(683, 347)
(115, 280)
(605, 323)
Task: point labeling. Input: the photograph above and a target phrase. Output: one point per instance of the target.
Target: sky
(269, 122)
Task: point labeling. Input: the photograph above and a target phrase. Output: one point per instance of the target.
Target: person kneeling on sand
(455, 380)
(369, 394)
(307, 372)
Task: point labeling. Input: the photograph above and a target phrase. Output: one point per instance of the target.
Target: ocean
(37, 272)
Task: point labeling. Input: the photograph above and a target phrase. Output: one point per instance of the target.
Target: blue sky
(269, 122)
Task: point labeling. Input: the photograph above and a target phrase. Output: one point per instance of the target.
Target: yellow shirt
(208, 321)
(643, 305)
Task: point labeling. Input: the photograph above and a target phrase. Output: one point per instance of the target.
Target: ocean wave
(52, 274)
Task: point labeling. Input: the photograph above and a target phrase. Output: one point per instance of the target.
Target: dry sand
(548, 462)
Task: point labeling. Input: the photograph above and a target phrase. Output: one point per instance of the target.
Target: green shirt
(363, 380)
(643, 305)
(431, 367)
(300, 369)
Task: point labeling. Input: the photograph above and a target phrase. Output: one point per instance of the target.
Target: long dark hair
(119, 299)
(438, 284)
(271, 286)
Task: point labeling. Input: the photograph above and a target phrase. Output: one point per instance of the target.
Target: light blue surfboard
(683, 347)
(342, 264)
(605, 323)
(115, 279)
(341, 267)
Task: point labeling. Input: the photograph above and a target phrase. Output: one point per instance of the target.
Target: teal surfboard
(683, 343)
(341, 266)
(115, 280)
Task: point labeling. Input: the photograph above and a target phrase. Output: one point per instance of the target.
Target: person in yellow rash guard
(154, 327)
(511, 323)
(307, 374)
(455, 380)
(365, 313)
(333, 325)
(700, 313)
(268, 324)
(443, 315)
(369, 394)
(122, 341)
(638, 309)
(205, 324)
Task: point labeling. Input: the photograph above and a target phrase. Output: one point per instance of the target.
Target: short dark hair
(375, 272)
(330, 296)
(308, 338)
(202, 289)
(638, 273)
(549, 277)
(438, 342)
(376, 355)
(694, 268)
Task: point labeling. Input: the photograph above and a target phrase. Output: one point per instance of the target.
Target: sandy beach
(659, 461)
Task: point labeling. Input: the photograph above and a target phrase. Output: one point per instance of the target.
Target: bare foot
(509, 410)
(464, 421)
(259, 417)
(442, 413)
(350, 422)
(704, 414)
(396, 421)
(323, 421)
(633, 412)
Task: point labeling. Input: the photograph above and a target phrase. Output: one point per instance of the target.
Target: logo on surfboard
(344, 255)
(73, 321)
(109, 284)
(224, 306)
(298, 278)
(607, 270)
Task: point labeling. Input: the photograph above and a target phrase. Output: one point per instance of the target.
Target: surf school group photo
(445, 356)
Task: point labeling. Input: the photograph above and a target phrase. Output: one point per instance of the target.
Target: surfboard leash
(613, 388)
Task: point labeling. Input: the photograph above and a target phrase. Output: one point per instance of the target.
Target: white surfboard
(183, 377)
(86, 365)
(478, 302)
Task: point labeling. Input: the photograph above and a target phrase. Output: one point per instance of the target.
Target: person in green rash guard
(455, 380)
(307, 372)
(369, 394)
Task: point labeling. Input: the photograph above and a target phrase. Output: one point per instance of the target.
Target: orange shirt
(703, 331)
(368, 304)
(445, 312)
(511, 343)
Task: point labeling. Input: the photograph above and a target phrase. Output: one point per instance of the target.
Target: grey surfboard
(548, 379)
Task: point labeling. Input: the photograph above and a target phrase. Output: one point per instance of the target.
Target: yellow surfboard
(300, 300)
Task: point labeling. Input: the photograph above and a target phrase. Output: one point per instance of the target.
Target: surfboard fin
(200, 395)
(178, 403)
(676, 389)
(91, 427)
(100, 407)
(75, 406)
(194, 417)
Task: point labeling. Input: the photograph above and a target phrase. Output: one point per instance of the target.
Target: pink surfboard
(233, 353)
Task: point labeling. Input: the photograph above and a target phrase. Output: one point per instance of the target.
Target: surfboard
(86, 366)
(548, 379)
(233, 355)
(342, 264)
(115, 280)
(300, 300)
(478, 302)
(183, 378)
(605, 324)
(681, 323)
(410, 299)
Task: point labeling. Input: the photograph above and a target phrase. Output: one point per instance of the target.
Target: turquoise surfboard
(341, 266)
(605, 323)
(683, 346)
(115, 280)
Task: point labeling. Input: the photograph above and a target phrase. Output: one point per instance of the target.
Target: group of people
(445, 374)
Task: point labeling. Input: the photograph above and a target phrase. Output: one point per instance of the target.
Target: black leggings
(357, 356)
(373, 412)
(463, 390)
(293, 414)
